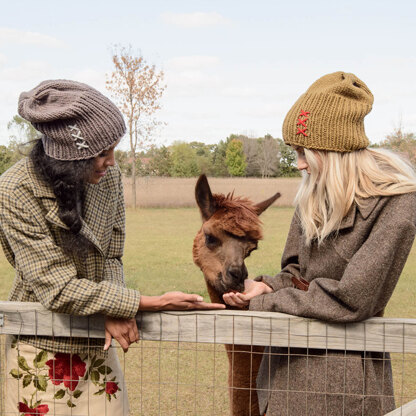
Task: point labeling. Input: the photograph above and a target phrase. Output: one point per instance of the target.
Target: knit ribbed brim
(77, 121)
(330, 115)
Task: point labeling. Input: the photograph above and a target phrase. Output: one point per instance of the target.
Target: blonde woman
(351, 234)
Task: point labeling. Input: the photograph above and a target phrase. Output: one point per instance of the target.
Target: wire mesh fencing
(182, 367)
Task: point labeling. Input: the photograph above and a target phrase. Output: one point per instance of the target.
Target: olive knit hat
(77, 121)
(330, 115)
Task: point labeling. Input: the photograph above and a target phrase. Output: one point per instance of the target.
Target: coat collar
(367, 205)
(40, 188)
(364, 205)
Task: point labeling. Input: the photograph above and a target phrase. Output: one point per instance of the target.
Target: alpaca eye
(211, 241)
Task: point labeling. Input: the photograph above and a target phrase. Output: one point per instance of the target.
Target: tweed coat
(30, 235)
(351, 277)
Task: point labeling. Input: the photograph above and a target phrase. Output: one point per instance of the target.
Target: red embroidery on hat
(302, 122)
(302, 131)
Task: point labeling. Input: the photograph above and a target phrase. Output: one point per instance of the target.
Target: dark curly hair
(68, 179)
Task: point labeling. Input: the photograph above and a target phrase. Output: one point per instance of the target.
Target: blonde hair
(337, 180)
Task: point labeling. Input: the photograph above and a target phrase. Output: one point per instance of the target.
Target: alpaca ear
(204, 198)
(262, 206)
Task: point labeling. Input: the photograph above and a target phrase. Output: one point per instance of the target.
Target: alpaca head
(230, 231)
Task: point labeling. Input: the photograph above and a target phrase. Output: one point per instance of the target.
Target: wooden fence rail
(222, 326)
(226, 327)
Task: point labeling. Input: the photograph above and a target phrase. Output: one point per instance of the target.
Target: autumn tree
(287, 160)
(137, 88)
(403, 143)
(235, 158)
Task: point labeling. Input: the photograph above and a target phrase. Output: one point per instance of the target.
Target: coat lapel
(95, 221)
(53, 217)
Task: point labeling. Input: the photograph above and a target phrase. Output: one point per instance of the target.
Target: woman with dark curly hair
(63, 230)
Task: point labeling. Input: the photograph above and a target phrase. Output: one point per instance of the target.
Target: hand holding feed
(251, 289)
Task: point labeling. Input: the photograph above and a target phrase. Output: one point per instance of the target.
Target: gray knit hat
(77, 121)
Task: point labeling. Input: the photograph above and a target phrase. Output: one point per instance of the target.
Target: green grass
(179, 378)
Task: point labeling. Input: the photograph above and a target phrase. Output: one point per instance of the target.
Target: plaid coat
(30, 234)
(351, 277)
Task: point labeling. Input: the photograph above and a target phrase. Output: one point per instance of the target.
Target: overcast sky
(230, 66)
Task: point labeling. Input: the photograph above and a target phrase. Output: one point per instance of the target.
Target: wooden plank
(409, 409)
(29, 318)
(223, 327)
(275, 329)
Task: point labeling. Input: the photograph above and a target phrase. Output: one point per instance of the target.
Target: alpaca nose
(237, 273)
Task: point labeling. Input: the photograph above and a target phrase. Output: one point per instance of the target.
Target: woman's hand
(251, 289)
(123, 330)
(176, 301)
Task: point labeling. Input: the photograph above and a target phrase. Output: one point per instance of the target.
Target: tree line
(237, 155)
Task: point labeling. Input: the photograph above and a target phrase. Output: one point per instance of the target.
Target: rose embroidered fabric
(43, 383)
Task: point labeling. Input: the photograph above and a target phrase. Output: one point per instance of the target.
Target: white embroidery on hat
(77, 136)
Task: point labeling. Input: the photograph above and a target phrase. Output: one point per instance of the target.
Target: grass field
(190, 379)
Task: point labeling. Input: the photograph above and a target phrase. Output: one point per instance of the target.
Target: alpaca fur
(230, 231)
(237, 216)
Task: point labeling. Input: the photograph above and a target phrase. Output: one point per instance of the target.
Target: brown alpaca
(230, 231)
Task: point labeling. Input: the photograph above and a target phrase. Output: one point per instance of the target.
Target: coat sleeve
(290, 259)
(113, 268)
(369, 278)
(51, 274)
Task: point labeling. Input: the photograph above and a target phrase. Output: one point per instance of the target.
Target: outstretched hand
(251, 289)
(179, 301)
(176, 301)
(125, 330)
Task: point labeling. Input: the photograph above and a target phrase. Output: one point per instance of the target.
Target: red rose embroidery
(40, 410)
(111, 387)
(60, 369)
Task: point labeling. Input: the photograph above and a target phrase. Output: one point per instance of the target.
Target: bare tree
(137, 87)
(267, 156)
(250, 146)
